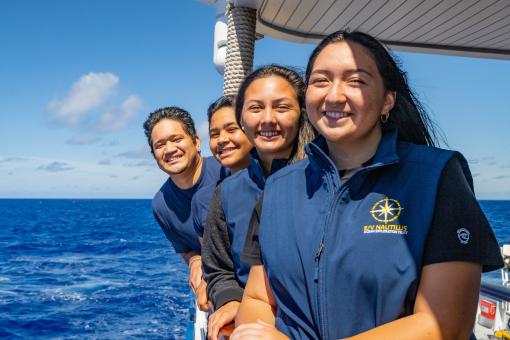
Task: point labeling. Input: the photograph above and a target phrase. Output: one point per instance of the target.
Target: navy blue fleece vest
(343, 258)
(239, 193)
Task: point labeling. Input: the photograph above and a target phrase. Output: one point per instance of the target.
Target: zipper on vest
(318, 254)
(317, 259)
(321, 288)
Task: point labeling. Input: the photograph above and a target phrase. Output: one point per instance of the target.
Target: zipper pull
(317, 258)
(319, 252)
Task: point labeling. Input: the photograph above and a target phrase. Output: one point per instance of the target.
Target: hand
(258, 330)
(201, 297)
(195, 274)
(226, 331)
(225, 315)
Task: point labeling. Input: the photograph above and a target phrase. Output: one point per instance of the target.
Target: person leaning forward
(175, 145)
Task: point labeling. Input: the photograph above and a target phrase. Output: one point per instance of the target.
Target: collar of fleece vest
(256, 171)
(387, 150)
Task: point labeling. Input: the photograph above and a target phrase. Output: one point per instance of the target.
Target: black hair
(408, 114)
(221, 102)
(174, 113)
(306, 132)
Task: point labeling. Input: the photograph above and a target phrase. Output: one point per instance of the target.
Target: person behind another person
(175, 146)
(231, 148)
(229, 145)
(270, 108)
(377, 234)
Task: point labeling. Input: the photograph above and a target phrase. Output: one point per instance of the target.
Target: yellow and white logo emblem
(386, 210)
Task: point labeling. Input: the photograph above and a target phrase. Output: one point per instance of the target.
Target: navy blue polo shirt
(172, 207)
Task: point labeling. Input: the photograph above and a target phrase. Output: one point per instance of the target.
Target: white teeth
(223, 150)
(173, 158)
(268, 133)
(336, 115)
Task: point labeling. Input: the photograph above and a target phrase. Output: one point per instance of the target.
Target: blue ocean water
(79, 269)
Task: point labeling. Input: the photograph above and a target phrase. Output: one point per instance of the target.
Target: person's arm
(194, 262)
(256, 316)
(219, 269)
(445, 305)
(221, 321)
(218, 264)
(196, 282)
(258, 302)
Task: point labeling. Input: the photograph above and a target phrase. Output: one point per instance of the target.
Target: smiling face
(270, 117)
(228, 143)
(174, 149)
(346, 96)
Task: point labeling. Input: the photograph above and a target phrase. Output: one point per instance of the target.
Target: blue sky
(78, 78)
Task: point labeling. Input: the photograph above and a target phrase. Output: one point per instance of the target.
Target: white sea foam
(62, 296)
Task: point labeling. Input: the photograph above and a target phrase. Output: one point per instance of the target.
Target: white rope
(241, 23)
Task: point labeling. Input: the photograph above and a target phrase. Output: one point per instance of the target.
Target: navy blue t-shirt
(200, 204)
(172, 207)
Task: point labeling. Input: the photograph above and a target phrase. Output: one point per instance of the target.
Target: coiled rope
(241, 23)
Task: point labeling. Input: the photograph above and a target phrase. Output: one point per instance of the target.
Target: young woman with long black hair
(270, 109)
(377, 234)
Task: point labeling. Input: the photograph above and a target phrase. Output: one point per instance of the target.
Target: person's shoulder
(295, 169)
(211, 160)
(233, 180)
(423, 153)
(425, 149)
(243, 173)
(159, 195)
(204, 194)
(211, 163)
(160, 199)
(214, 171)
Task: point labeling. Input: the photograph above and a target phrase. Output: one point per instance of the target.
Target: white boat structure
(470, 28)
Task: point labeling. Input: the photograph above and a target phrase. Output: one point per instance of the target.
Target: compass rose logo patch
(386, 210)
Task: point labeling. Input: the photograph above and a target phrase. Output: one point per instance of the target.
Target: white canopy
(478, 28)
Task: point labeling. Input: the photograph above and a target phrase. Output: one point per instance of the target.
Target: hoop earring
(385, 117)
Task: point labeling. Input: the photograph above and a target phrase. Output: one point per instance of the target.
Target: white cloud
(55, 167)
(118, 119)
(82, 140)
(12, 159)
(144, 163)
(88, 93)
(143, 152)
